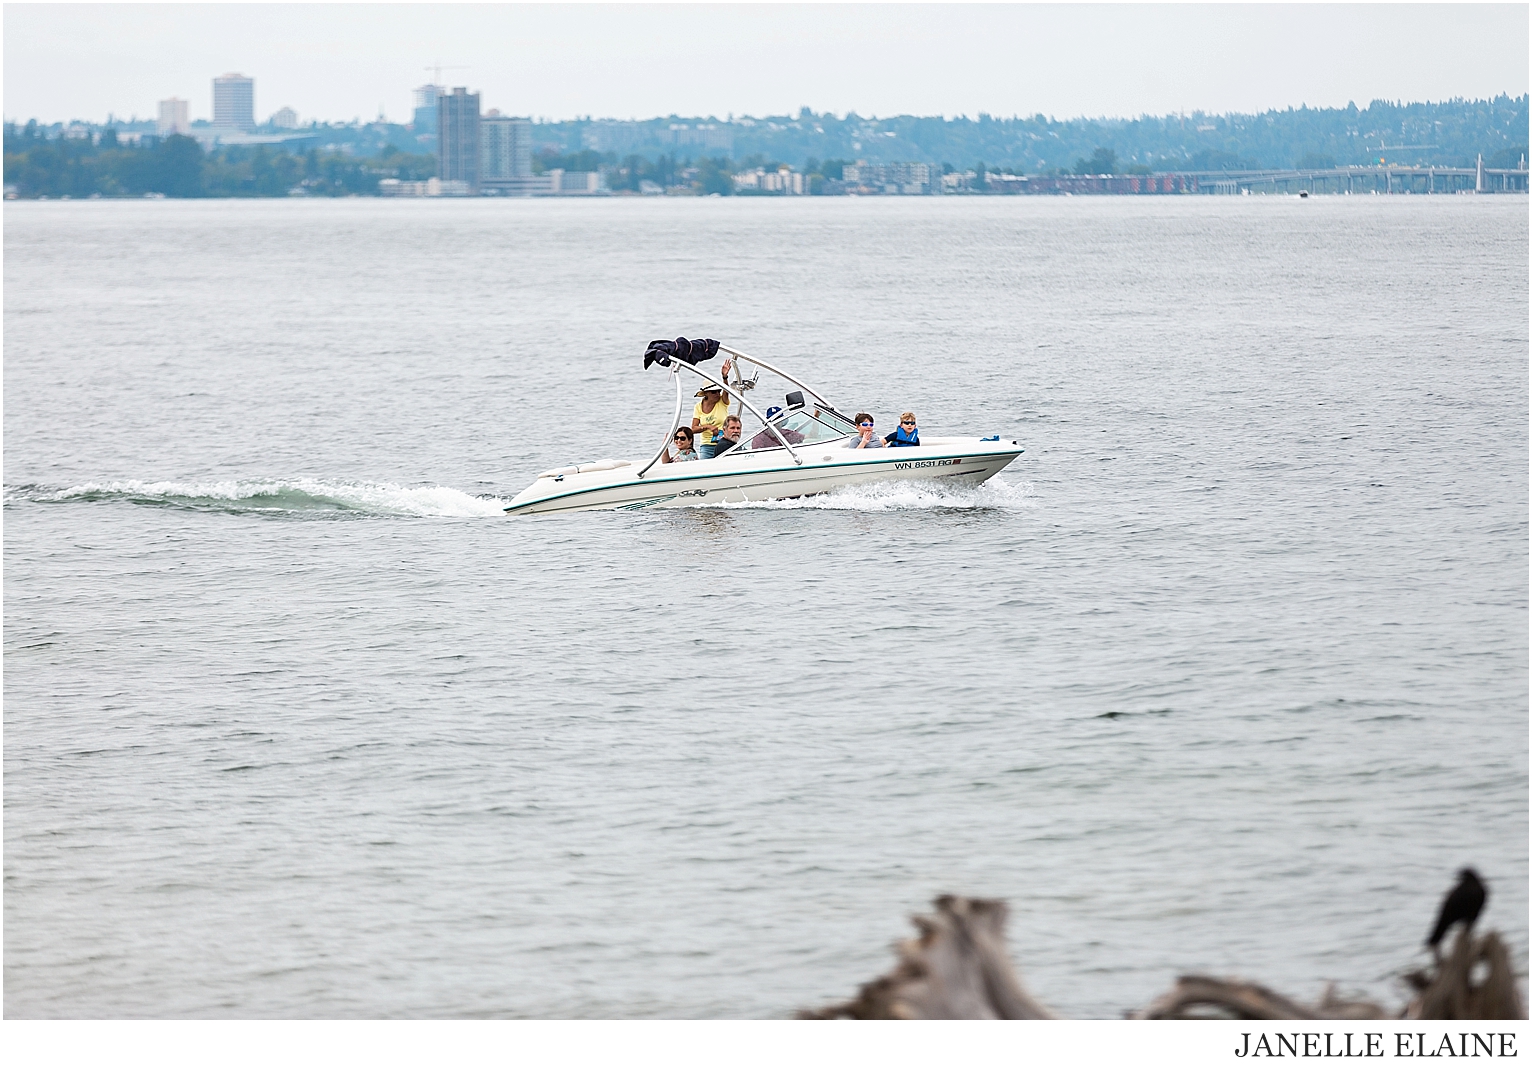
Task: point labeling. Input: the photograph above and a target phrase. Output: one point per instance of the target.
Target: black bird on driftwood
(1462, 904)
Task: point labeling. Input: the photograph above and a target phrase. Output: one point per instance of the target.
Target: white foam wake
(298, 494)
(907, 496)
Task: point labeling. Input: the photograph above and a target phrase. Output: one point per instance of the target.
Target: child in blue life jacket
(907, 435)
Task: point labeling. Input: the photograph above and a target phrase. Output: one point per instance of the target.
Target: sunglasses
(682, 437)
(865, 425)
(906, 421)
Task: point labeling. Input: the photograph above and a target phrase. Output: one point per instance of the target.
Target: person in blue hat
(766, 439)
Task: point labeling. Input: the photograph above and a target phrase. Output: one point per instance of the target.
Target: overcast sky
(344, 61)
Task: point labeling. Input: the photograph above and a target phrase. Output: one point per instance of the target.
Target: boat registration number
(927, 462)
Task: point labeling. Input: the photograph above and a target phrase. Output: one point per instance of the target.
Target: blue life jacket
(900, 439)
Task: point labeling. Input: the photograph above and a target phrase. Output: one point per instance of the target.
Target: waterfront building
(425, 108)
(457, 125)
(285, 119)
(575, 183)
(505, 155)
(893, 179)
(429, 187)
(234, 102)
(783, 181)
(172, 118)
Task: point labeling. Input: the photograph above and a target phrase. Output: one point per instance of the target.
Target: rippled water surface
(1227, 672)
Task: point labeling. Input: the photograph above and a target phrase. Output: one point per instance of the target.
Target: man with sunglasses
(907, 435)
(865, 439)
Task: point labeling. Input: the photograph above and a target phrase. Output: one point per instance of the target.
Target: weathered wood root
(1197, 996)
(957, 968)
(1446, 993)
(1451, 993)
(1333, 1006)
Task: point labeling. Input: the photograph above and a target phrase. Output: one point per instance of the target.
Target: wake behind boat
(801, 449)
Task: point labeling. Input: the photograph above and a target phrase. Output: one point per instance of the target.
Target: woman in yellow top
(709, 414)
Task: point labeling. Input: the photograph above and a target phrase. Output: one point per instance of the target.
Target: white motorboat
(802, 449)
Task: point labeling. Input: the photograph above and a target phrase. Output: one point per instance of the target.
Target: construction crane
(437, 68)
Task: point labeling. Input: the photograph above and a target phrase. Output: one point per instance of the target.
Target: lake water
(1228, 672)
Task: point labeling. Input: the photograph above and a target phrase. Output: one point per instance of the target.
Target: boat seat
(604, 464)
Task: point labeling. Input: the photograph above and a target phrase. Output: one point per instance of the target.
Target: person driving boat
(766, 439)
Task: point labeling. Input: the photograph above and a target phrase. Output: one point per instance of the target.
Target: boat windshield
(835, 420)
(800, 427)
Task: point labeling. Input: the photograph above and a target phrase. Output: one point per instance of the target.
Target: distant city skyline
(341, 62)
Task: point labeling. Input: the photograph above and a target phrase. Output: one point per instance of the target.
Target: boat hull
(752, 477)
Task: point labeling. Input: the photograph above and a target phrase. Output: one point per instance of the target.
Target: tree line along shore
(702, 156)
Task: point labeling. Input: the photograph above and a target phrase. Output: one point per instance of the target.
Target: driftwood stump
(957, 968)
(1451, 993)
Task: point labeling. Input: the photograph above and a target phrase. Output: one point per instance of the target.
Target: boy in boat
(907, 435)
(865, 439)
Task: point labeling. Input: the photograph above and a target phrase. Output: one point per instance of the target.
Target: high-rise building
(425, 108)
(505, 153)
(234, 102)
(457, 146)
(172, 118)
(285, 119)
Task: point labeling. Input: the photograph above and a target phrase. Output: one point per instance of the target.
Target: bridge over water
(1382, 180)
(1385, 180)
